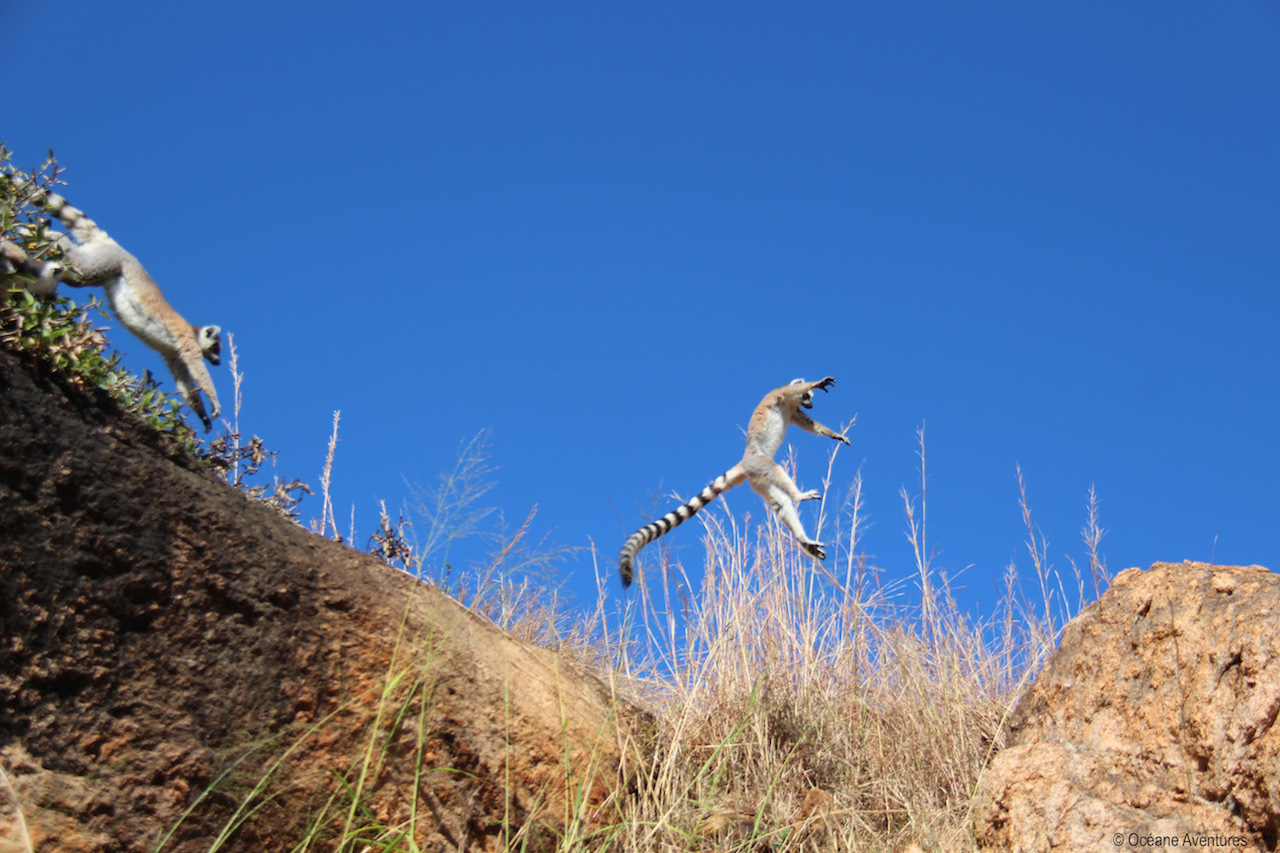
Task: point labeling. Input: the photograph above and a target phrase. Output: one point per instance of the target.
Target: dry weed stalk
(780, 677)
(327, 519)
(236, 462)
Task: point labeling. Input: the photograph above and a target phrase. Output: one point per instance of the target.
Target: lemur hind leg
(786, 513)
(771, 481)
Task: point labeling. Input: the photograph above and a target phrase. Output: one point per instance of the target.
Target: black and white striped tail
(682, 513)
(72, 217)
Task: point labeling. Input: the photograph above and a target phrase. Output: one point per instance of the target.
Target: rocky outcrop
(168, 645)
(1155, 720)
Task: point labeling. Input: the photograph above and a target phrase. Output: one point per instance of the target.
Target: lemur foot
(815, 550)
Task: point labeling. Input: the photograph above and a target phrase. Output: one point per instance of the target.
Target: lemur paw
(811, 495)
(196, 402)
(825, 383)
(815, 550)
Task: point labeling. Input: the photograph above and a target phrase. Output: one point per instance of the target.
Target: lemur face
(210, 338)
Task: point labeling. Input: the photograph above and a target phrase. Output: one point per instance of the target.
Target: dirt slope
(155, 626)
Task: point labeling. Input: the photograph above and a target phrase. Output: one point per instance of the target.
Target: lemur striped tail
(682, 513)
(73, 218)
(82, 226)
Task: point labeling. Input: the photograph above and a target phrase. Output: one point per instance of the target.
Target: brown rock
(1155, 719)
(817, 823)
(166, 644)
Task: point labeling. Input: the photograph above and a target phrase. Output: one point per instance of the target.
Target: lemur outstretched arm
(808, 424)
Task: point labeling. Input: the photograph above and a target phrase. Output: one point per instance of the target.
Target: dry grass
(802, 708)
(798, 706)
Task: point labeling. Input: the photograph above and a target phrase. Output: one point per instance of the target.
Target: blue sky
(1047, 231)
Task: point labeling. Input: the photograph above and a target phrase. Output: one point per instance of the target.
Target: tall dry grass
(796, 705)
(801, 707)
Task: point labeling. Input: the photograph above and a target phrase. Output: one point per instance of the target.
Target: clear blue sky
(1048, 231)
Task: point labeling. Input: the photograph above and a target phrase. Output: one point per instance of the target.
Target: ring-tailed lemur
(96, 259)
(780, 408)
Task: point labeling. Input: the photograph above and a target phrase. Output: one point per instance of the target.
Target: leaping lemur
(135, 298)
(779, 408)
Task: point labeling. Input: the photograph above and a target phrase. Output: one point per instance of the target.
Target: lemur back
(93, 258)
(765, 432)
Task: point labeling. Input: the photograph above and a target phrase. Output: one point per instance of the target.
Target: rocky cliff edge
(173, 654)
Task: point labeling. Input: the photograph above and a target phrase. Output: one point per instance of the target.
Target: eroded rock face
(156, 626)
(1155, 720)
